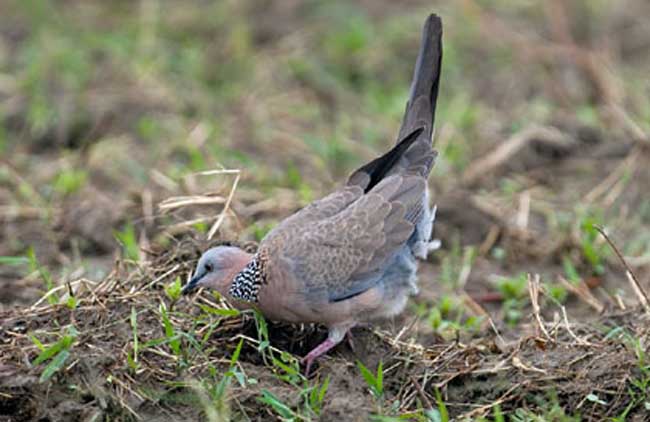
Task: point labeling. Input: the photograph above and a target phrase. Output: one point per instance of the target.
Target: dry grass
(533, 308)
(567, 360)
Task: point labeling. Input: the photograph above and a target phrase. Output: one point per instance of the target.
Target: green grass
(69, 181)
(375, 383)
(448, 316)
(45, 275)
(192, 88)
(514, 291)
(127, 238)
(57, 353)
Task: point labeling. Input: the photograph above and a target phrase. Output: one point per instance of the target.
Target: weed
(173, 289)
(263, 336)
(148, 128)
(170, 333)
(311, 397)
(315, 395)
(556, 291)
(592, 251)
(71, 302)
(287, 368)
(57, 353)
(374, 381)
(69, 181)
(14, 261)
(513, 290)
(283, 410)
(448, 316)
(441, 412)
(45, 274)
(570, 270)
(129, 242)
(639, 388)
(132, 357)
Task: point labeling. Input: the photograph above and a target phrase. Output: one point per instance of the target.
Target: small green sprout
(34, 266)
(128, 239)
(375, 381)
(57, 353)
(69, 181)
(173, 289)
(173, 339)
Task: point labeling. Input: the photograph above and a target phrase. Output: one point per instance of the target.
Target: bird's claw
(350, 339)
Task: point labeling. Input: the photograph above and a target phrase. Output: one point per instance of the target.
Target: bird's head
(216, 269)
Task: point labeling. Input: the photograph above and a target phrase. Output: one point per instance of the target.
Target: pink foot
(319, 350)
(336, 334)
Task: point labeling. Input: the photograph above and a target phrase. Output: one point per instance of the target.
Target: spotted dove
(349, 257)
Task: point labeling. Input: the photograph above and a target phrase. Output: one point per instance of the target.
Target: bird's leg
(334, 337)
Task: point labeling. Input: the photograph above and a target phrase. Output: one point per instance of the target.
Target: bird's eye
(208, 267)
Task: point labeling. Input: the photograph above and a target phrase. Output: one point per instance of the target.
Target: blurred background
(108, 109)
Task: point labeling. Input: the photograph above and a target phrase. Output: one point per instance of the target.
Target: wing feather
(346, 253)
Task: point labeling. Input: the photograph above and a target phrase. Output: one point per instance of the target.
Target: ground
(133, 135)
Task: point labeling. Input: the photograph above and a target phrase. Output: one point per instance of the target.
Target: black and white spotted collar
(246, 285)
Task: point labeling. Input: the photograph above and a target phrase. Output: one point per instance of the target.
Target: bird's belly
(398, 283)
(391, 306)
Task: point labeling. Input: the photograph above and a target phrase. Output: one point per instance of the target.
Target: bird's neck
(246, 284)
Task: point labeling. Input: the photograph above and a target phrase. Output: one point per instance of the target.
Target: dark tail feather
(421, 106)
(373, 172)
(413, 152)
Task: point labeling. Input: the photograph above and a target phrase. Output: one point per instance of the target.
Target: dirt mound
(129, 348)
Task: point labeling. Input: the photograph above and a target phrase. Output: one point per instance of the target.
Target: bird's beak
(192, 285)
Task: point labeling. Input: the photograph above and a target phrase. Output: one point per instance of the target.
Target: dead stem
(636, 286)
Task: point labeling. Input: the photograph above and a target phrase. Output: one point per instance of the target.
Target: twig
(517, 363)
(147, 207)
(496, 331)
(533, 290)
(636, 286)
(58, 288)
(524, 210)
(181, 201)
(583, 293)
(421, 392)
(490, 239)
(472, 414)
(226, 206)
(570, 331)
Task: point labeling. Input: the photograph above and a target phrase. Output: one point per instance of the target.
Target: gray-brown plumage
(350, 256)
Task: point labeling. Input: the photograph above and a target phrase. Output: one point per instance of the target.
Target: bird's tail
(413, 152)
(421, 106)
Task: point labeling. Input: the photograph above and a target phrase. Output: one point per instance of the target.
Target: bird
(351, 257)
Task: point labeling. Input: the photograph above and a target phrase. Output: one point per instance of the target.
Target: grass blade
(134, 327)
(174, 341)
(282, 409)
(56, 364)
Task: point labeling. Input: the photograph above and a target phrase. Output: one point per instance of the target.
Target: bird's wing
(341, 256)
(319, 210)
